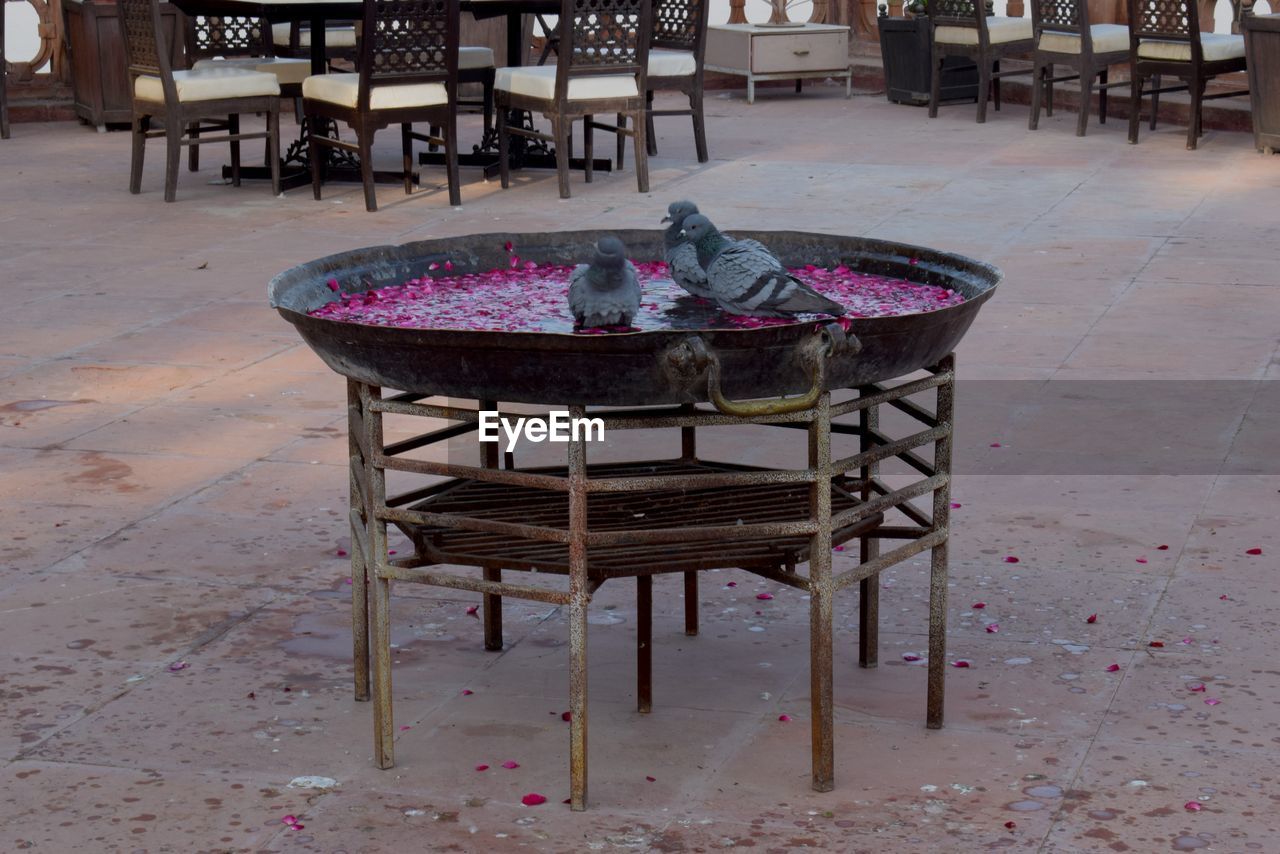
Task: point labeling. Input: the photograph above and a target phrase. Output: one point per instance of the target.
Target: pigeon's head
(697, 226)
(678, 211)
(610, 253)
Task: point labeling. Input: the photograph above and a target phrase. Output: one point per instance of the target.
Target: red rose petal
(405, 727)
(996, 445)
(910, 656)
(482, 767)
(1141, 560)
(1092, 618)
(979, 605)
(1010, 824)
(992, 628)
(1011, 559)
(765, 596)
(1112, 668)
(1212, 701)
(1157, 644)
(1196, 686)
(333, 284)
(509, 764)
(566, 716)
(1162, 548)
(838, 549)
(289, 819)
(784, 718)
(296, 826)
(341, 552)
(955, 505)
(960, 663)
(533, 799)
(651, 779)
(1192, 806)
(732, 584)
(1224, 597)
(1253, 551)
(474, 611)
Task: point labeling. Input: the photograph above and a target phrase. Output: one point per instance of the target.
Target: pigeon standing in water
(749, 279)
(605, 292)
(681, 256)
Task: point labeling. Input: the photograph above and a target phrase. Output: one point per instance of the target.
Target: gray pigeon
(746, 279)
(605, 292)
(681, 257)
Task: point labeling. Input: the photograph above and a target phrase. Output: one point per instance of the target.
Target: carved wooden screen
(138, 26)
(678, 24)
(410, 39)
(1067, 16)
(605, 34)
(224, 35)
(954, 13)
(1166, 19)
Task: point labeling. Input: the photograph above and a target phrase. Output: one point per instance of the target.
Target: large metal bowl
(638, 368)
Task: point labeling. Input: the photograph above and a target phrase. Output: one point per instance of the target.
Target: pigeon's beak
(684, 233)
(665, 219)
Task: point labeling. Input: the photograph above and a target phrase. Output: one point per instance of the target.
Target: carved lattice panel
(1165, 17)
(675, 23)
(954, 12)
(138, 28)
(226, 36)
(1059, 14)
(410, 37)
(606, 32)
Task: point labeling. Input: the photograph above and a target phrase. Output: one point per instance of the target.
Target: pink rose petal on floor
(1112, 668)
(1141, 560)
(1156, 644)
(1162, 548)
(1192, 806)
(910, 656)
(178, 665)
(1253, 551)
(1196, 686)
(956, 505)
(1011, 559)
(960, 663)
(979, 605)
(784, 718)
(510, 765)
(838, 549)
(732, 584)
(992, 628)
(1010, 824)
(482, 767)
(651, 779)
(405, 727)
(296, 826)
(764, 596)
(533, 799)
(1092, 618)
(1212, 701)
(1224, 597)
(474, 611)
(566, 716)
(341, 553)
(289, 819)
(1185, 640)
(348, 581)
(996, 445)
(467, 692)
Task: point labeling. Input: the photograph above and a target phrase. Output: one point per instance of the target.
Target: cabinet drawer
(771, 54)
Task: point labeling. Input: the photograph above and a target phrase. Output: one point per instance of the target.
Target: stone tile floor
(174, 489)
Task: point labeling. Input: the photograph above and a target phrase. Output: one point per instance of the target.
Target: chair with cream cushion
(1064, 36)
(187, 99)
(1165, 39)
(224, 41)
(962, 28)
(408, 73)
(676, 55)
(600, 69)
(476, 65)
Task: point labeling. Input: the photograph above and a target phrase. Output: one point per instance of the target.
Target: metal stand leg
(644, 644)
(938, 558)
(492, 602)
(821, 594)
(691, 604)
(868, 550)
(374, 546)
(359, 520)
(579, 597)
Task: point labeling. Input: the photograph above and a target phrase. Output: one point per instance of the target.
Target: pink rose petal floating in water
(764, 596)
(1092, 618)
(992, 628)
(529, 297)
(333, 284)
(533, 799)
(509, 765)
(960, 663)
(1011, 559)
(1253, 551)
(784, 718)
(1192, 806)
(1212, 701)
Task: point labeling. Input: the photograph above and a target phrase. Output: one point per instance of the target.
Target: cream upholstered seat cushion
(1107, 38)
(344, 90)
(1000, 30)
(472, 57)
(671, 63)
(287, 71)
(209, 84)
(539, 81)
(1214, 46)
(333, 36)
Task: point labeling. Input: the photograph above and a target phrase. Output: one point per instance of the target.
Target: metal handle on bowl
(830, 340)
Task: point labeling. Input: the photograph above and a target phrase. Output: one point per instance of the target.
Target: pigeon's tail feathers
(804, 300)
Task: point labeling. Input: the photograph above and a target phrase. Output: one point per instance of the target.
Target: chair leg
(561, 127)
(172, 154)
(233, 127)
(1086, 96)
(273, 148)
(1135, 107)
(433, 130)
(622, 138)
(1102, 97)
(588, 145)
(504, 148)
(995, 84)
(935, 86)
(406, 148)
(451, 161)
(193, 151)
(1196, 85)
(140, 126)
(984, 88)
(1038, 84)
(651, 138)
(642, 152)
(1155, 100)
(313, 154)
(1048, 90)
(488, 99)
(364, 141)
(699, 126)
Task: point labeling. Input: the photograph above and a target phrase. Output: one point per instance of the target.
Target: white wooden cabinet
(760, 52)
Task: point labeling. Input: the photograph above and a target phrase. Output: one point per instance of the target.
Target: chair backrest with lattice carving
(140, 29)
(1060, 16)
(210, 36)
(409, 41)
(960, 13)
(680, 24)
(603, 37)
(1168, 20)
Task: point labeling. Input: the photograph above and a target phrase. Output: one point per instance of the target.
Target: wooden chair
(408, 73)
(600, 69)
(239, 42)
(1064, 36)
(1165, 39)
(676, 56)
(183, 99)
(962, 28)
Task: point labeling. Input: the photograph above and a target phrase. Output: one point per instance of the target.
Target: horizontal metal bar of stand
(888, 500)
(511, 477)
(790, 579)
(457, 582)
(639, 419)
(888, 559)
(471, 523)
(442, 435)
(914, 460)
(424, 410)
(906, 508)
(902, 532)
(890, 449)
(882, 395)
(916, 411)
(702, 532)
(698, 481)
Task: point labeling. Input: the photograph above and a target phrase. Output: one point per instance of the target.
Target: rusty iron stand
(652, 517)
